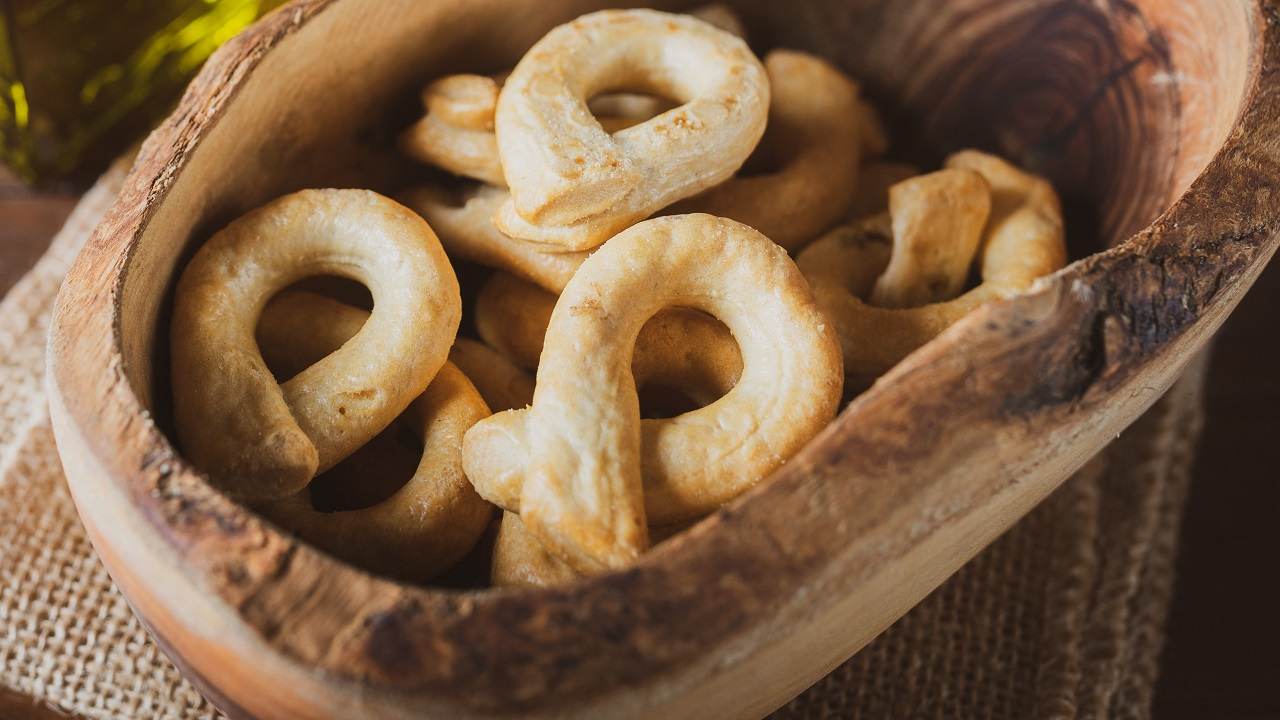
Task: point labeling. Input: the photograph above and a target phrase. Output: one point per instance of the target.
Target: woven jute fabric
(1060, 618)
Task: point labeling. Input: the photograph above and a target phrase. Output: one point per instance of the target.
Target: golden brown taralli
(1022, 240)
(426, 526)
(937, 224)
(679, 348)
(815, 136)
(263, 441)
(573, 184)
(571, 464)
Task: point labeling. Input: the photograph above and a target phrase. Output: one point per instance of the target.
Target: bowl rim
(1121, 321)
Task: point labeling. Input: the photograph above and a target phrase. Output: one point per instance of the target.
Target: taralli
(575, 185)
(466, 230)
(437, 517)
(682, 349)
(815, 137)
(457, 131)
(1022, 240)
(937, 224)
(519, 560)
(262, 441)
(849, 256)
(501, 383)
(571, 464)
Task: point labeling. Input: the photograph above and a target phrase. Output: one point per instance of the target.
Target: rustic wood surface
(1112, 330)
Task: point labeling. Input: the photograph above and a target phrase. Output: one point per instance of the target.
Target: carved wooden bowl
(1158, 121)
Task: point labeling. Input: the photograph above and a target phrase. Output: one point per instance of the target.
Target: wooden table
(1220, 659)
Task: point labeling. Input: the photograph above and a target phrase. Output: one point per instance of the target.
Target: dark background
(1222, 657)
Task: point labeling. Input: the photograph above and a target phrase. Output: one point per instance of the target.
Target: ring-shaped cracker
(678, 348)
(431, 522)
(937, 224)
(465, 226)
(263, 441)
(456, 133)
(501, 383)
(1022, 240)
(815, 138)
(571, 463)
(572, 183)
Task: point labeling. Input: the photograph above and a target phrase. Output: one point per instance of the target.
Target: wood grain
(758, 601)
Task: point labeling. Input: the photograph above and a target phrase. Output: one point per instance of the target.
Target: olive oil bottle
(81, 78)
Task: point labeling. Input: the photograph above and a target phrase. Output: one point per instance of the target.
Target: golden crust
(571, 464)
(467, 232)
(572, 183)
(436, 517)
(500, 382)
(262, 441)
(1022, 240)
(816, 136)
(937, 224)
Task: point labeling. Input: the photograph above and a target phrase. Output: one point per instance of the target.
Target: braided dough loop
(263, 441)
(435, 519)
(1022, 240)
(575, 454)
(575, 185)
(816, 134)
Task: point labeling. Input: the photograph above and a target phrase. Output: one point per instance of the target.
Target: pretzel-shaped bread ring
(682, 349)
(435, 519)
(815, 134)
(576, 452)
(467, 232)
(263, 441)
(1022, 240)
(519, 560)
(575, 185)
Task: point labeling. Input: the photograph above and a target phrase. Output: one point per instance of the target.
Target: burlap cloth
(1062, 617)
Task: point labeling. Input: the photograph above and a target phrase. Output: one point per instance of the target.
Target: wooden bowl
(1159, 121)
